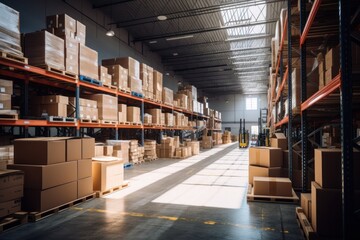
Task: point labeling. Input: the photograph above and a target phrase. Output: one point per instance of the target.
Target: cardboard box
(52, 21)
(306, 204)
(88, 62)
(326, 211)
(156, 115)
(84, 168)
(39, 151)
(332, 58)
(108, 150)
(107, 106)
(99, 150)
(87, 148)
(52, 109)
(41, 177)
(5, 101)
(129, 63)
(265, 156)
(11, 178)
(103, 72)
(11, 193)
(135, 84)
(119, 76)
(168, 96)
(66, 23)
(10, 207)
(80, 33)
(271, 186)
(133, 114)
(6, 86)
(37, 200)
(330, 74)
(255, 171)
(73, 149)
(107, 175)
(279, 140)
(84, 187)
(44, 49)
(122, 108)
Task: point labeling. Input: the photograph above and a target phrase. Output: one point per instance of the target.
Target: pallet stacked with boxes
(6, 156)
(51, 105)
(122, 113)
(150, 150)
(88, 111)
(157, 85)
(168, 96)
(6, 91)
(226, 137)
(107, 107)
(120, 149)
(166, 149)
(134, 152)
(57, 170)
(11, 191)
(133, 115)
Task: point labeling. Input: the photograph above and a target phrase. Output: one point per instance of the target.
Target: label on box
(1, 105)
(2, 89)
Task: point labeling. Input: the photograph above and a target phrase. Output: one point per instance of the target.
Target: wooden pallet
(150, 159)
(61, 119)
(108, 122)
(100, 194)
(52, 69)
(89, 121)
(136, 123)
(36, 216)
(124, 123)
(110, 86)
(13, 220)
(263, 198)
(70, 74)
(304, 224)
(14, 57)
(148, 124)
(125, 90)
(11, 115)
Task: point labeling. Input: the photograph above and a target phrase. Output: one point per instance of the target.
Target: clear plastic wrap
(44, 49)
(9, 30)
(88, 62)
(135, 84)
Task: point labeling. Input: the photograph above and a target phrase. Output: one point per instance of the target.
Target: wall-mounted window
(251, 104)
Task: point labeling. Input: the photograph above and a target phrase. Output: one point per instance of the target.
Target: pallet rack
(27, 73)
(338, 96)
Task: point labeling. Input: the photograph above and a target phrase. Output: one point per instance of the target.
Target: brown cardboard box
(119, 76)
(10, 207)
(67, 23)
(5, 101)
(272, 186)
(327, 168)
(122, 108)
(108, 150)
(135, 84)
(99, 150)
(332, 58)
(37, 200)
(41, 177)
(6, 86)
(39, 151)
(87, 148)
(326, 211)
(73, 149)
(11, 193)
(156, 115)
(265, 156)
(263, 172)
(52, 21)
(296, 164)
(129, 63)
(103, 72)
(84, 187)
(279, 140)
(48, 99)
(133, 114)
(330, 74)
(51, 109)
(84, 168)
(44, 49)
(107, 106)
(306, 204)
(11, 178)
(107, 175)
(168, 96)
(88, 62)
(80, 33)
(157, 85)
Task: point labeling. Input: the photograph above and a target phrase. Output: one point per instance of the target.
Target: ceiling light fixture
(162, 17)
(152, 42)
(167, 74)
(110, 33)
(175, 54)
(180, 37)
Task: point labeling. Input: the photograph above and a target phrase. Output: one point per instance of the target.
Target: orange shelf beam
(282, 122)
(282, 85)
(35, 123)
(325, 91)
(310, 21)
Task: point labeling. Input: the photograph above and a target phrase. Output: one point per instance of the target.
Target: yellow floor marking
(210, 222)
(168, 218)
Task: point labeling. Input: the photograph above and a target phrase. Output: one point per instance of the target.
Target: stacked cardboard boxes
(182, 100)
(272, 186)
(107, 106)
(10, 31)
(156, 115)
(44, 49)
(6, 156)
(150, 150)
(169, 119)
(326, 200)
(6, 90)
(167, 148)
(51, 105)
(265, 162)
(105, 77)
(168, 96)
(226, 138)
(141, 153)
(279, 140)
(122, 108)
(120, 149)
(133, 115)
(11, 191)
(183, 152)
(218, 138)
(57, 170)
(108, 173)
(88, 62)
(332, 64)
(147, 119)
(134, 151)
(195, 147)
(207, 142)
(146, 75)
(88, 109)
(119, 76)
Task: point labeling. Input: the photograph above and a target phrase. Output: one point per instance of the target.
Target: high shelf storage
(336, 103)
(24, 74)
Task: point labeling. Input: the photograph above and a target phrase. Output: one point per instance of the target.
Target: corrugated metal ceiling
(219, 45)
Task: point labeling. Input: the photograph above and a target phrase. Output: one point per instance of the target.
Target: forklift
(243, 135)
(264, 132)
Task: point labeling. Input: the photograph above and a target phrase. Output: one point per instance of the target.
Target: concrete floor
(202, 197)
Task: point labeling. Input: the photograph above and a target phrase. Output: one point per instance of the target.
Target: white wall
(32, 18)
(233, 107)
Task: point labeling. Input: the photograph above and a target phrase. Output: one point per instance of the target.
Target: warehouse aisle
(202, 197)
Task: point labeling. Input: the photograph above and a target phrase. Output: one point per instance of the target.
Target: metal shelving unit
(27, 73)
